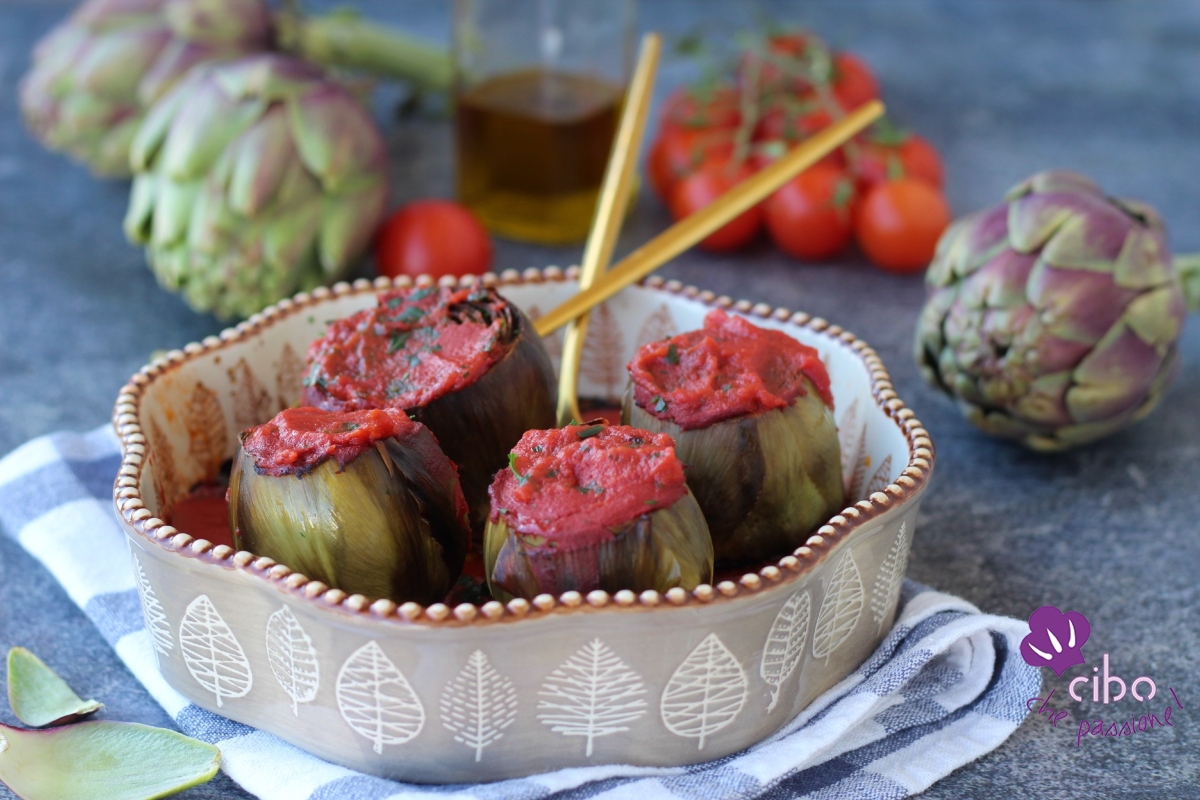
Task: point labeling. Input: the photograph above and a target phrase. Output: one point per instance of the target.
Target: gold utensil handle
(610, 212)
(691, 229)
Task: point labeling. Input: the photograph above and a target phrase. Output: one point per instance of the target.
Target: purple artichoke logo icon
(1055, 639)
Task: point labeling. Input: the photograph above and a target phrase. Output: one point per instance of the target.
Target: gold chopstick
(690, 230)
(610, 212)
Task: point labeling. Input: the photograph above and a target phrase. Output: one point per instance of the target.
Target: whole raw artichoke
(1053, 318)
(96, 73)
(255, 179)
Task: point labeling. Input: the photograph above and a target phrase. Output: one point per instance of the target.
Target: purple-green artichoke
(1052, 318)
(255, 179)
(96, 73)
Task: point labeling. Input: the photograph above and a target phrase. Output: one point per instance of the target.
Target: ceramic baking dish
(479, 693)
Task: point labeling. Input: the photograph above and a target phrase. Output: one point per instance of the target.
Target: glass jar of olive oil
(537, 97)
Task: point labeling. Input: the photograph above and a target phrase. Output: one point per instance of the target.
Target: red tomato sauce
(300, 439)
(575, 485)
(415, 346)
(729, 368)
(203, 514)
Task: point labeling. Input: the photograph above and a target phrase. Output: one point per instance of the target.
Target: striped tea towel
(946, 686)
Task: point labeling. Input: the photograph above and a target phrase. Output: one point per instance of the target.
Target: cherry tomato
(433, 237)
(711, 108)
(899, 223)
(809, 217)
(678, 152)
(706, 185)
(853, 82)
(912, 156)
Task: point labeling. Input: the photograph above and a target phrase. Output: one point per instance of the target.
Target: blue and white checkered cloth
(946, 686)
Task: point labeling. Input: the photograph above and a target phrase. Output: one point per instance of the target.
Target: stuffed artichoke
(750, 411)
(594, 506)
(464, 362)
(364, 501)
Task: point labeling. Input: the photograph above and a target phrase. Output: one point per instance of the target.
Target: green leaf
(38, 696)
(103, 761)
(590, 431)
(512, 464)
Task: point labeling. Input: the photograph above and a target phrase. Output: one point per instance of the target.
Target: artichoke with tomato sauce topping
(466, 363)
(750, 411)
(365, 501)
(594, 506)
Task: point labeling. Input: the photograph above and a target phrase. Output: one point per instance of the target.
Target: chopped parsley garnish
(590, 431)
(350, 426)
(410, 315)
(592, 487)
(315, 378)
(512, 464)
(421, 294)
(394, 302)
(651, 502)
(398, 387)
(672, 355)
(660, 405)
(399, 338)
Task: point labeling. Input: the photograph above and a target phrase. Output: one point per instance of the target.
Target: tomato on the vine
(706, 185)
(809, 217)
(905, 156)
(433, 237)
(678, 152)
(853, 82)
(899, 223)
(709, 107)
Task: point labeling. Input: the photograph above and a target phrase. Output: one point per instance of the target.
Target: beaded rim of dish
(128, 500)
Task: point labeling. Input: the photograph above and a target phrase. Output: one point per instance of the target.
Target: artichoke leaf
(334, 139)
(1033, 220)
(152, 133)
(38, 696)
(173, 207)
(348, 225)
(260, 159)
(141, 208)
(291, 240)
(1142, 264)
(113, 64)
(194, 143)
(1157, 316)
(103, 761)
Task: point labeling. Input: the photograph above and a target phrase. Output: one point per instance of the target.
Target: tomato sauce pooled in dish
(728, 368)
(299, 440)
(415, 346)
(577, 485)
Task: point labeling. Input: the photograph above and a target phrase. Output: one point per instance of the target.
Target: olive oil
(532, 149)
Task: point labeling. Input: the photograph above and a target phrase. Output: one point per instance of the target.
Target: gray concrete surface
(1004, 88)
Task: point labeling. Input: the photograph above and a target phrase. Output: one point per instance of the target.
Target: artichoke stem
(344, 40)
(1189, 272)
